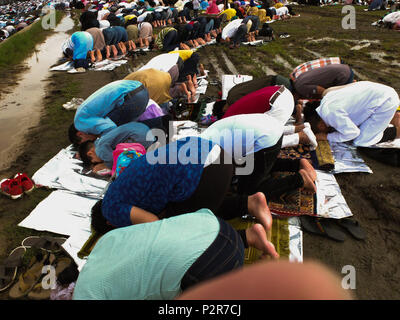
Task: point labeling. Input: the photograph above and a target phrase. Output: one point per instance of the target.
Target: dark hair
(68, 275)
(99, 223)
(68, 53)
(218, 108)
(218, 38)
(311, 115)
(83, 152)
(73, 135)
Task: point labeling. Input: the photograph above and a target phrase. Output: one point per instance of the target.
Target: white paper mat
(105, 65)
(330, 201)
(65, 172)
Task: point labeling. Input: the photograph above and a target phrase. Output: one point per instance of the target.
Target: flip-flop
(353, 227)
(29, 278)
(322, 227)
(9, 268)
(47, 243)
(38, 292)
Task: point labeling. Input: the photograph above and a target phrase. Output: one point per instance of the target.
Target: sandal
(9, 268)
(47, 243)
(353, 227)
(29, 278)
(322, 227)
(40, 293)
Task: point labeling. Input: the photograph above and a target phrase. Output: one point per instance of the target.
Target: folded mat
(323, 156)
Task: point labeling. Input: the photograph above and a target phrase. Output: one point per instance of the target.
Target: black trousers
(265, 163)
(189, 67)
(212, 193)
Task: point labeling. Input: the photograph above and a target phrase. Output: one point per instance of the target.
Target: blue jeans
(225, 254)
(133, 107)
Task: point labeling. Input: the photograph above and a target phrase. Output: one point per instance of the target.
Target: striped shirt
(314, 64)
(160, 37)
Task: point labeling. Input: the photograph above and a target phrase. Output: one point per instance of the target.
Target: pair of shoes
(333, 228)
(16, 187)
(32, 283)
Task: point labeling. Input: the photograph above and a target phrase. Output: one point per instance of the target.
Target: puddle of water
(20, 109)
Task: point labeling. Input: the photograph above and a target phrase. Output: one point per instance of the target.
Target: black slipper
(323, 227)
(353, 227)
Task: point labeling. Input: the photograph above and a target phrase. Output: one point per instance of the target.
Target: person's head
(87, 153)
(311, 116)
(99, 224)
(77, 137)
(218, 109)
(219, 39)
(68, 53)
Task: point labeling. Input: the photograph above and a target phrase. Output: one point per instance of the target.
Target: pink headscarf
(213, 8)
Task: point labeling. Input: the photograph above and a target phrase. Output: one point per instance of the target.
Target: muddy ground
(373, 198)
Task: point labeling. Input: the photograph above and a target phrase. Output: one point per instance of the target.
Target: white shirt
(163, 62)
(392, 17)
(244, 134)
(360, 111)
(230, 29)
(101, 14)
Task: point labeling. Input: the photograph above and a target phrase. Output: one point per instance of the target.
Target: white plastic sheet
(347, 158)
(231, 80)
(63, 171)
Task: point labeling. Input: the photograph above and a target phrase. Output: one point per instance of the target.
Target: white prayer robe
(360, 111)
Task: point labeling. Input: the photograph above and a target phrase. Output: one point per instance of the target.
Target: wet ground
(372, 198)
(21, 108)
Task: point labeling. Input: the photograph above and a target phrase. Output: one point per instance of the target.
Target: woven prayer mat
(321, 158)
(279, 237)
(298, 152)
(294, 203)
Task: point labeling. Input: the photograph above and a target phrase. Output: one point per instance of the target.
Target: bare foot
(258, 208)
(201, 69)
(396, 119)
(114, 51)
(92, 57)
(107, 52)
(190, 85)
(306, 165)
(99, 56)
(308, 181)
(257, 238)
(194, 79)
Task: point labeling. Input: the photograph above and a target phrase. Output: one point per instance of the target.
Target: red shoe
(26, 183)
(11, 188)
